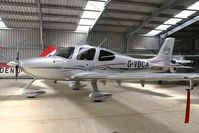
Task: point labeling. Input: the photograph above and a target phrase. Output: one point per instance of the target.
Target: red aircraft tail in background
(50, 50)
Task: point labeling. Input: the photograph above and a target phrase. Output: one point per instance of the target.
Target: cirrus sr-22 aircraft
(89, 63)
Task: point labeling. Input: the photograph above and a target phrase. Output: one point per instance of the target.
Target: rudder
(164, 55)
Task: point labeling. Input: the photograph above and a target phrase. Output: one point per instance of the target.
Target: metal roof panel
(124, 16)
(21, 1)
(56, 19)
(117, 23)
(60, 26)
(131, 8)
(19, 17)
(18, 9)
(109, 29)
(73, 3)
(61, 11)
(21, 25)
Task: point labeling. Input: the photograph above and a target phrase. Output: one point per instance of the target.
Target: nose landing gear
(31, 93)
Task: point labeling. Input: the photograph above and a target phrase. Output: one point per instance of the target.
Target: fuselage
(71, 60)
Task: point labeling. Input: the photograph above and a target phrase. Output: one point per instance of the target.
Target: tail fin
(164, 55)
(50, 50)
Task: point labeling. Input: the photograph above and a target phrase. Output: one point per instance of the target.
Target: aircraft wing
(134, 76)
(170, 66)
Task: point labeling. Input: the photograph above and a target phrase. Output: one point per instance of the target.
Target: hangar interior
(35, 24)
(129, 27)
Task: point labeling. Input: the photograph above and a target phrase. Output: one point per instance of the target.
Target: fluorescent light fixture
(86, 22)
(83, 28)
(194, 6)
(90, 14)
(173, 21)
(2, 25)
(94, 5)
(184, 14)
(153, 32)
(97, 7)
(163, 27)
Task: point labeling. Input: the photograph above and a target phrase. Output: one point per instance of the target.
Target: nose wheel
(96, 95)
(31, 93)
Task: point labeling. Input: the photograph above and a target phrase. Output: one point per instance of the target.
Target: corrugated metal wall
(114, 41)
(183, 46)
(30, 43)
(143, 45)
(62, 38)
(143, 42)
(151, 45)
(196, 46)
(27, 40)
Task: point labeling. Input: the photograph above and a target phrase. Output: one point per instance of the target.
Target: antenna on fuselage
(103, 42)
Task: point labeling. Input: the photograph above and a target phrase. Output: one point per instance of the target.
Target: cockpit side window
(106, 56)
(66, 52)
(86, 54)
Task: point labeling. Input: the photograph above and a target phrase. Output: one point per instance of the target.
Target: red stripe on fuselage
(5, 66)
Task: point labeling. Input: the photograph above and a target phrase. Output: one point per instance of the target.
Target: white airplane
(88, 63)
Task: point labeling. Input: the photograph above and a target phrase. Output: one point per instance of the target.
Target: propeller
(17, 65)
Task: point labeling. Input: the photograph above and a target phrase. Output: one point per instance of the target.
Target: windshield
(66, 52)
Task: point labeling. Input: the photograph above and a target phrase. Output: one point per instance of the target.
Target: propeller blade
(187, 113)
(16, 72)
(17, 66)
(17, 58)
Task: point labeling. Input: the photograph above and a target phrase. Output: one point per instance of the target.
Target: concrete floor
(132, 109)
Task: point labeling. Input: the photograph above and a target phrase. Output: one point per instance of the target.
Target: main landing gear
(76, 85)
(31, 93)
(96, 95)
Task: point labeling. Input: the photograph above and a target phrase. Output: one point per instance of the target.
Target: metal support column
(125, 51)
(41, 38)
(38, 2)
(192, 43)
